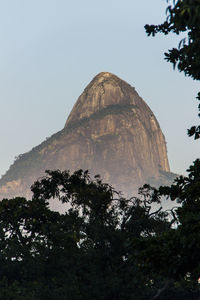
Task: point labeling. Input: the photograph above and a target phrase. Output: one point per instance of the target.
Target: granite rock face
(110, 131)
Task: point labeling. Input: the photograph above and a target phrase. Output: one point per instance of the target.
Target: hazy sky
(51, 49)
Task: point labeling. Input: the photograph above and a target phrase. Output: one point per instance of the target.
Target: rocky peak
(110, 131)
(105, 90)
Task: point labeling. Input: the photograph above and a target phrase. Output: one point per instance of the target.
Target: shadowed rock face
(111, 131)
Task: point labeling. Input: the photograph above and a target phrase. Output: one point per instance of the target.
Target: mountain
(110, 131)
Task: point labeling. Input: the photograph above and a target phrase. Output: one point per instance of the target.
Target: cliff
(110, 131)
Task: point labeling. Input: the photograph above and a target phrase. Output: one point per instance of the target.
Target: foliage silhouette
(183, 16)
(95, 250)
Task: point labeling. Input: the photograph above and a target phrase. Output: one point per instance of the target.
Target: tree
(183, 16)
(95, 250)
(175, 254)
(84, 253)
(109, 223)
(35, 244)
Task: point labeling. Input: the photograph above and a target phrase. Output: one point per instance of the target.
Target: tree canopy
(183, 16)
(103, 247)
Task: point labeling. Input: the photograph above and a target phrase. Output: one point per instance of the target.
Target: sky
(51, 49)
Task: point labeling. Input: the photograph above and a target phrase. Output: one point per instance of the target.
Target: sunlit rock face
(110, 131)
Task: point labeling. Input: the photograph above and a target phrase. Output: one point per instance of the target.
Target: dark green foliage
(183, 16)
(175, 254)
(104, 246)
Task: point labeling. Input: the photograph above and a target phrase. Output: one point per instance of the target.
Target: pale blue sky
(51, 49)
